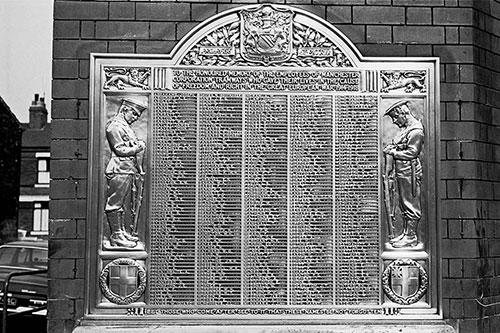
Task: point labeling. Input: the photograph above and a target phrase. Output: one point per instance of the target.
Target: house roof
(36, 137)
(7, 115)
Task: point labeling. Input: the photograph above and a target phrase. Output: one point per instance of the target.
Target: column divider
(334, 280)
(289, 269)
(197, 203)
(243, 151)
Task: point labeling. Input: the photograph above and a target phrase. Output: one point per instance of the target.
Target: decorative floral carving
(223, 47)
(323, 52)
(228, 37)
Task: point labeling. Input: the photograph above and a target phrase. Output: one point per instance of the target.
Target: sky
(25, 53)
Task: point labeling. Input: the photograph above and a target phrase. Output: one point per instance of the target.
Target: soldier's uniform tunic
(122, 167)
(408, 169)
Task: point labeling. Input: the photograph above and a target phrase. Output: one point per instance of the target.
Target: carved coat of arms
(123, 281)
(405, 281)
(266, 35)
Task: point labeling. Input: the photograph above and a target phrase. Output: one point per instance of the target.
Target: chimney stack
(38, 113)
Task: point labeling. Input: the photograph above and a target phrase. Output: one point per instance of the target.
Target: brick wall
(470, 157)
(460, 32)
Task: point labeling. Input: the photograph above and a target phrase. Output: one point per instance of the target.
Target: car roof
(26, 243)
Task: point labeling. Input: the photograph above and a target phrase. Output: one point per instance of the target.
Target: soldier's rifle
(388, 180)
(138, 191)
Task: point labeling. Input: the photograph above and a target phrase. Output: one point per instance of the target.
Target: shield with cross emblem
(405, 281)
(123, 281)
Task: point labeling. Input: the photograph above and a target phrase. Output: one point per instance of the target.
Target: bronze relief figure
(124, 175)
(403, 170)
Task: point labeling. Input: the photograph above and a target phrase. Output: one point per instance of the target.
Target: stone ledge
(358, 328)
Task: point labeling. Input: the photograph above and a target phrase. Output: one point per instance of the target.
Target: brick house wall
(34, 142)
(463, 33)
(34, 190)
(10, 159)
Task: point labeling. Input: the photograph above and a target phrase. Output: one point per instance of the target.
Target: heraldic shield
(123, 281)
(266, 35)
(405, 281)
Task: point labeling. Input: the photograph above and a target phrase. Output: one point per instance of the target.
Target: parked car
(29, 291)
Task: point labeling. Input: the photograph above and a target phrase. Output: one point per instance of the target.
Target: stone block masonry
(464, 34)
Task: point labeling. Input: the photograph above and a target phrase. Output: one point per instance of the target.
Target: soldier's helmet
(133, 104)
(395, 106)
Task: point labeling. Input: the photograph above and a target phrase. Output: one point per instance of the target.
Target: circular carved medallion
(123, 281)
(405, 281)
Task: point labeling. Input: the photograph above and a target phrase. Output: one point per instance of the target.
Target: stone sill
(357, 328)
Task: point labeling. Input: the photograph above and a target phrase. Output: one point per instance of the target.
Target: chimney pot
(38, 113)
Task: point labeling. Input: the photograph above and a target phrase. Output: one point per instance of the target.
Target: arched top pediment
(266, 35)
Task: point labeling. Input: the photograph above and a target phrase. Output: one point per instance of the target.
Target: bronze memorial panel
(263, 170)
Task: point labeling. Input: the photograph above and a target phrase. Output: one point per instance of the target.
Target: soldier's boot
(117, 237)
(410, 238)
(123, 228)
(130, 237)
(403, 233)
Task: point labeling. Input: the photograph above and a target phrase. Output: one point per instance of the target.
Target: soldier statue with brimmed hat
(403, 152)
(124, 174)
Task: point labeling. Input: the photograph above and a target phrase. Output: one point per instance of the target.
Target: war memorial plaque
(263, 170)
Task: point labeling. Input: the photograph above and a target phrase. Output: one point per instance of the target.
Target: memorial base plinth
(358, 328)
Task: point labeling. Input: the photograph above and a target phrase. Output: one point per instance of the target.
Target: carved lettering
(259, 80)
(317, 52)
(216, 51)
(173, 232)
(356, 200)
(262, 311)
(311, 187)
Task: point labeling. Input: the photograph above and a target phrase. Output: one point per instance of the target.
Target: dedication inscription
(263, 170)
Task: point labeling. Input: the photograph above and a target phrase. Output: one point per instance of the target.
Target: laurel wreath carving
(226, 36)
(117, 299)
(306, 37)
(229, 36)
(423, 282)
